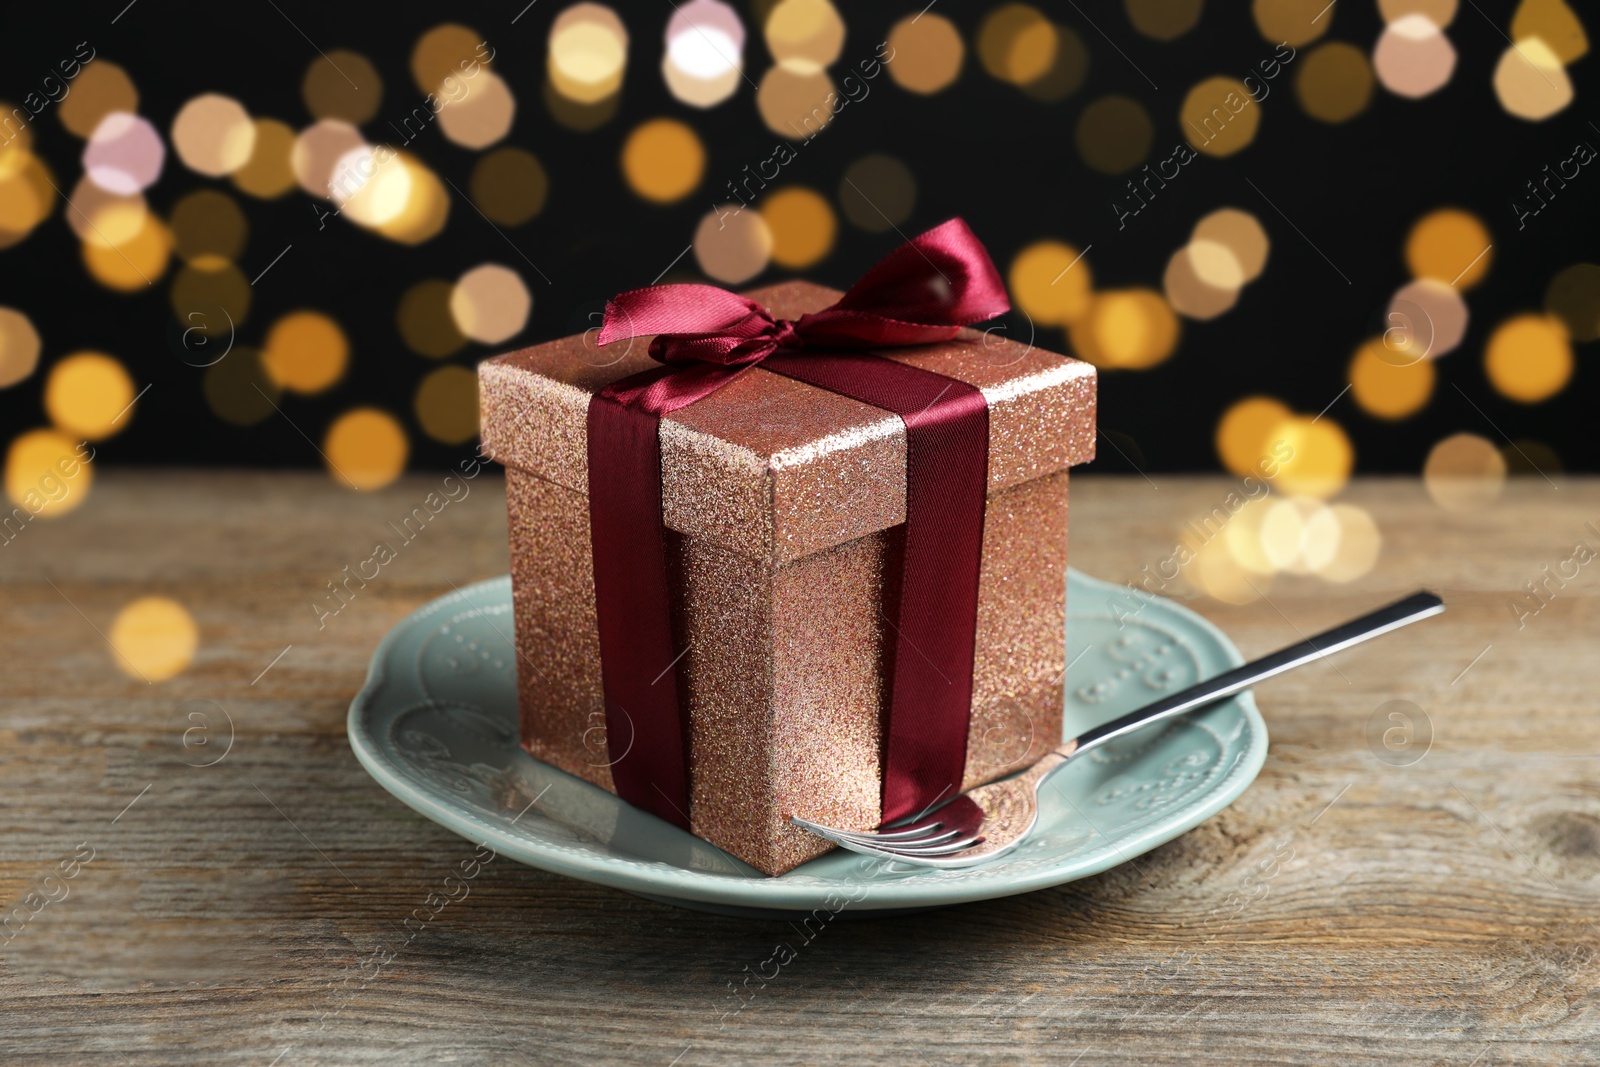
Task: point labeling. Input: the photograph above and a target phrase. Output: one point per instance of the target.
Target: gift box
(784, 507)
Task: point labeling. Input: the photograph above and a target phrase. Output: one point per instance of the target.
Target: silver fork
(1005, 811)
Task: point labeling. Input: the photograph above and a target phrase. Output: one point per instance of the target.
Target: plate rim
(684, 884)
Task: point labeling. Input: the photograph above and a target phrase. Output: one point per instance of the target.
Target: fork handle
(1417, 606)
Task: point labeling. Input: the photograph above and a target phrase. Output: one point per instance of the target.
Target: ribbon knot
(922, 292)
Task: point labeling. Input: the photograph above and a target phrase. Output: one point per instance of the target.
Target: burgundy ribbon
(922, 292)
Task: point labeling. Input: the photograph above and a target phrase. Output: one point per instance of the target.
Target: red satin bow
(922, 292)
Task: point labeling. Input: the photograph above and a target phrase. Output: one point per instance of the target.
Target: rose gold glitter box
(779, 499)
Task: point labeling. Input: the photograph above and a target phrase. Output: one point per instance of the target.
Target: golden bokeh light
(153, 638)
(795, 105)
(238, 389)
(1573, 296)
(877, 193)
(366, 449)
(1439, 12)
(425, 322)
(928, 52)
(578, 116)
(317, 151)
(450, 50)
(26, 196)
(1334, 82)
(1293, 22)
(1113, 134)
(124, 154)
(134, 263)
(663, 160)
(1240, 233)
(1242, 536)
(1219, 117)
(47, 474)
(1360, 543)
(1221, 577)
(1164, 20)
(1464, 472)
(268, 174)
(19, 347)
(1017, 44)
(804, 36)
(104, 218)
(305, 352)
(1529, 358)
(89, 394)
(1554, 23)
(1526, 458)
(491, 304)
(214, 135)
(1298, 535)
(1320, 456)
(1386, 388)
(1202, 280)
(732, 245)
(802, 224)
(446, 405)
(1051, 283)
(509, 185)
(1067, 72)
(426, 208)
(1530, 80)
(99, 89)
(217, 290)
(1449, 245)
(1126, 329)
(371, 186)
(208, 222)
(483, 115)
(1413, 58)
(588, 53)
(342, 85)
(1244, 435)
(704, 60)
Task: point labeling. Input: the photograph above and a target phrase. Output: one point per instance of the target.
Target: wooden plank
(1342, 910)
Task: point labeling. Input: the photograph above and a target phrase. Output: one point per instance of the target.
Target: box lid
(774, 468)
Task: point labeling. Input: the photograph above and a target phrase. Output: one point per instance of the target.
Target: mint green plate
(436, 725)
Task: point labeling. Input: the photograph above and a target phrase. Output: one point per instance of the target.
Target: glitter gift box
(780, 500)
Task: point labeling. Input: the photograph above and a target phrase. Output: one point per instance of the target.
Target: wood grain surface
(1343, 910)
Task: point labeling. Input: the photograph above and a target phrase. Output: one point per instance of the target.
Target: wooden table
(1439, 913)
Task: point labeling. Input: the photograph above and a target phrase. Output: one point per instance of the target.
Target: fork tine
(946, 849)
(918, 834)
(929, 838)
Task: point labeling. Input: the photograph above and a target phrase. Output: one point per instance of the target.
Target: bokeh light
(1426, 319)
(1164, 20)
(133, 263)
(19, 347)
(238, 389)
(1439, 12)
(1360, 544)
(371, 186)
(99, 89)
(153, 638)
(1126, 329)
(1113, 134)
(877, 193)
(663, 160)
(1320, 456)
(1244, 435)
(1529, 358)
(1202, 279)
(1449, 245)
(588, 52)
(1573, 296)
(46, 474)
(124, 154)
(928, 53)
(305, 352)
(1554, 23)
(450, 50)
(1386, 388)
(482, 115)
(490, 304)
(804, 36)
(1220, 576)
(1240, 233)
(317, 151)
(208, 222)
(1334, 82)
(1017, 44)
(366, 449)
(215, 288)
(732, 245)
(802, 224)
(1294, 22)
(214, 135)
(1051, 283)
(425, 322)
(1219, 117)
(795, 105)
(1530, 80)
(446, 405)
(426, 209)
(89, 394)
(1464, 472)
(105, 218)
(509, 185)
(342, 85)
(1413, 57)
(268, 173)
(704, 60)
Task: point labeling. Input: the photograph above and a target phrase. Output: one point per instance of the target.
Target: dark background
(981, 149)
